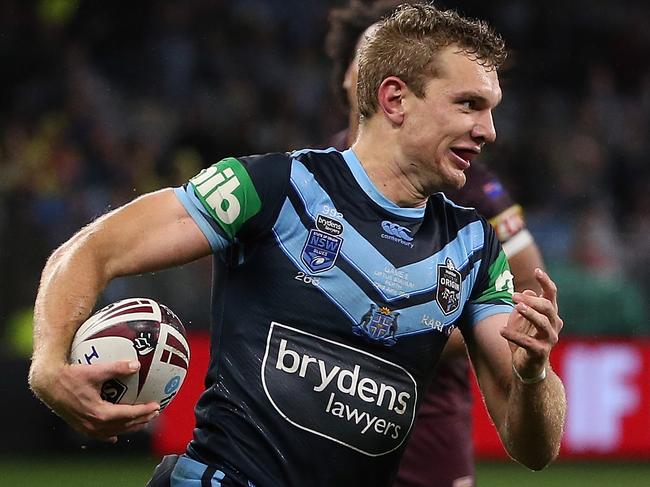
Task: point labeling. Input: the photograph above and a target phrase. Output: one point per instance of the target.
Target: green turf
(78, 472)
(112, 472)
(564, 474)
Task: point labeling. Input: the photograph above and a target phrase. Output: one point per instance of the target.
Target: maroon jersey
(440, 450)
(484, 192)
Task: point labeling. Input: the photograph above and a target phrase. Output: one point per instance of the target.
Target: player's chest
(388, 278)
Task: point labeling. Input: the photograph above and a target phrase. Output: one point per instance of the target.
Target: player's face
(447, 128)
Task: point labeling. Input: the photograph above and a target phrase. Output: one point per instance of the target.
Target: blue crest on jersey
(320, 250)
(378, 325)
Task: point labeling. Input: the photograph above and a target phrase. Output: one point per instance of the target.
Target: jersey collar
(373, 193)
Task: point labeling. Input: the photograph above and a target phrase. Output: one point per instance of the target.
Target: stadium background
(102, 101)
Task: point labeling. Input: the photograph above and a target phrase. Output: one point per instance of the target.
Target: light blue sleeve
(191, 203)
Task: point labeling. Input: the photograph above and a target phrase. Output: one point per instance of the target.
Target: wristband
(530, 380)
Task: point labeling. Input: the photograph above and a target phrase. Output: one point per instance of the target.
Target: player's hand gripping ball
(136, 329)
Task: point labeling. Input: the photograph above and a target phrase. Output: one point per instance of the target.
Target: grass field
(111, 472)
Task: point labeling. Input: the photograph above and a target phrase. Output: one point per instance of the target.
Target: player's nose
(484, 129)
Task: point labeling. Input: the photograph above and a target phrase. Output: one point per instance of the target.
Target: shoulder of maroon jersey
(483, 190)
(339, 140)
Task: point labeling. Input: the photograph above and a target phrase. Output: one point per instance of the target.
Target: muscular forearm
(71, 281)
(534, 421)
(152, 232)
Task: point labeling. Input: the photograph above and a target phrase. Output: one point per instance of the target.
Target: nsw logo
(323, 245)
(448, 290)
(396, 233)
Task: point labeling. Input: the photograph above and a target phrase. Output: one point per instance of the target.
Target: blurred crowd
(103, 101)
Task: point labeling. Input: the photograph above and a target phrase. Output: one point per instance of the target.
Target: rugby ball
(136, 329)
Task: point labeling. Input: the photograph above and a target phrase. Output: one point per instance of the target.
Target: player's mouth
(463, 156)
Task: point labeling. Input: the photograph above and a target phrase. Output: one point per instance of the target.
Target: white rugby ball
(136, 329)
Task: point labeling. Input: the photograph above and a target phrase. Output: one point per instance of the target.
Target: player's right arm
(153, 232)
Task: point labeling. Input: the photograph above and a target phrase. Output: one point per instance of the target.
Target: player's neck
(382, 161)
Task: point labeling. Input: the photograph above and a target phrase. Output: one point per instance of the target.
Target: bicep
(152, 232)
(491, 358)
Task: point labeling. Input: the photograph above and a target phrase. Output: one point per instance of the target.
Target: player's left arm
(529, 414)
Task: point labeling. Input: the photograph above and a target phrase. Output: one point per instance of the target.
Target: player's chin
(455, 180)
(460, 181)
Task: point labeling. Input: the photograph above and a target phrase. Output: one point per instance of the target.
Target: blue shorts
(182, 471)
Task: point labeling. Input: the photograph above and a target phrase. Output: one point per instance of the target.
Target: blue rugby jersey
(331, 306)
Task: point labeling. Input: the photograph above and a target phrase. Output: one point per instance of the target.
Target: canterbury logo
(396, 230)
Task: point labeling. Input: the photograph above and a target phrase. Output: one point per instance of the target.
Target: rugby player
(326, 264)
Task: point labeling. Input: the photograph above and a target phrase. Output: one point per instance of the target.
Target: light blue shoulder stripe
(371, 190)
(201, 217)
(471, 237)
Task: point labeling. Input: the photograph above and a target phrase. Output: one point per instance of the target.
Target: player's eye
(468, 104)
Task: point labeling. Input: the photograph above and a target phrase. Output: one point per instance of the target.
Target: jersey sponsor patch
(448, 287)
(323, 244)
(329, 225)
(501, 282)
(227, 193)
(379, 325)
(338, 392)
(508, 223)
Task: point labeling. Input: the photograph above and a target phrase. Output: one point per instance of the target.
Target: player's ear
(390, 96)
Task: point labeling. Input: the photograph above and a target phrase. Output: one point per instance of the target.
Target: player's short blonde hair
(406, 44)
